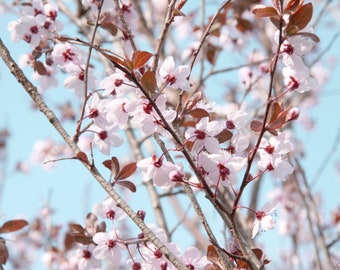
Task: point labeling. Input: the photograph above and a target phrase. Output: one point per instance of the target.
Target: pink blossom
(76, 80)
(264, 218)
(108, 247)
(66, 55)
(116, 85)
(175, 77)
(108, 209)
(158, 170)
(86, 259)
(105, 138)
(193, 259)
(203, 135)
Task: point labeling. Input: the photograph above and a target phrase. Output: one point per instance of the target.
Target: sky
(71, 191)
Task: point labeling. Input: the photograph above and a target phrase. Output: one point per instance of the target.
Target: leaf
(275, 110)
(68, 241)
(139, 58)
(292, 6)
(3, 252)
(198, 113)
(40, 68)
(91, 222)
(244, 25)
(128, 184)
(224, 135)
(261, 11)
(82, 239)
(213, 256)
(127, 171)
(83, 157)
(302, 16)
(13, 225)
(112, 165)
(256, 125)
(113, 58)
(149, 82)
(77, 227)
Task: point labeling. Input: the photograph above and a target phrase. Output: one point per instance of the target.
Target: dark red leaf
(77, 227)
(139, 58)
(113, 58)
(127, 171)
(68, 241)
(83, 157)
(13, 225)
(3, 251)
(302, 16)
(292, 6)
(112, 165)
(213, 256)
(128, 184)
(224, 135)
(198, 113)
(275, 110)
(40, 68)
(149, 82)
(256, 125)
(261, 11)
(82, 239)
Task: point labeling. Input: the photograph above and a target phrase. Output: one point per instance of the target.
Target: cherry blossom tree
(206, 96)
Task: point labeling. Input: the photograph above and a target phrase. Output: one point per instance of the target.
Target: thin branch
(206, 34)
(161, 38)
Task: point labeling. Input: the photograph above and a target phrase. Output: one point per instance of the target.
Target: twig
(161, 38)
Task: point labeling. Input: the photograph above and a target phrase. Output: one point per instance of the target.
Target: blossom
(146, 117)
(193, 259)
(264, 218)
(298, 79)
(108, 246)
(158, 170)
(115, 85)
(76, 80)
(105, 138)
(86, 259)
(109, 209)
(66, 55)
(203, 135)
(175, 77)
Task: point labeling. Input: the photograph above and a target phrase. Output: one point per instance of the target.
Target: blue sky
(71, 191)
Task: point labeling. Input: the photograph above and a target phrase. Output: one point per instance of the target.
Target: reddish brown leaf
(40, 68)
(198, 113)
(68, 241)
(292, 6)
(128, 184)
(13, 225)
(213, 256)
(127, 171)
(212, 267)
(83, 157)
(77, 227)
(261, 11)
(82, 239)
(302, 16)
(256, 125)
(112, 165)
(244, 25)
(139, 58)
(275, 110)
(91, 222)
(113, 58)
(224, 135)
(106, 23)
(212, 52)
(149, 82)
(3, 251)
